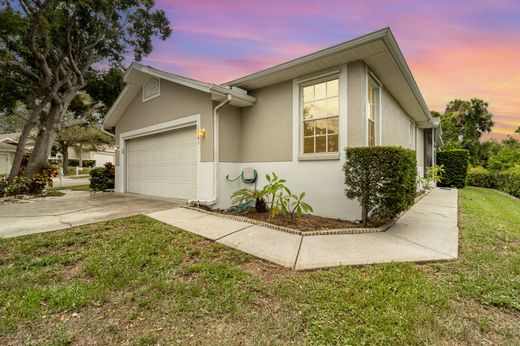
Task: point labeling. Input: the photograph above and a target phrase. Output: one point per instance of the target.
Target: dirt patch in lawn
(306, 223)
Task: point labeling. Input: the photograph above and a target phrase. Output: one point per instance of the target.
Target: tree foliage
(463, 124)
(51, 45)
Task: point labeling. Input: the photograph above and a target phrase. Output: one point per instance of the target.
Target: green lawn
(138, 281)
(84, 187)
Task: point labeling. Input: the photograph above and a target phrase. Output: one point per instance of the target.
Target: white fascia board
(192, 83)
(376, 35)
(223, 91)
(115, 105)
(396, 53)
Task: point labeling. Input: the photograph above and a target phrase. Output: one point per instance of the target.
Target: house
(180, 138)
(7, 150)
(9, 141)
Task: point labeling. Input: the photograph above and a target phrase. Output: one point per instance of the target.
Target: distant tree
(84, 137)
(14, 119)
(50, 45)
(465, 122)
(518, 130)
(105, 87)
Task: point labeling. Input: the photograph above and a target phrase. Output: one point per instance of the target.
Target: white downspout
(216, 155)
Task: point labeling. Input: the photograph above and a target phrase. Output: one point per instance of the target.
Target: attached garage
(163, 164)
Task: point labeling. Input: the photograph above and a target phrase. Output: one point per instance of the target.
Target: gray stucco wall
(229, 134)
(266, 128)
(356, 104)
(395, 123)
(176, 101)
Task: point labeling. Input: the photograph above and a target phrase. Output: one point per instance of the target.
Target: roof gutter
(216, 154)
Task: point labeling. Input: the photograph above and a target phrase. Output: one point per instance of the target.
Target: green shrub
(382, 179)
(73, 162)
(479, 176)
(53, 161)
(509, 181)
(505, 159)
(19, 186)
(89, 163)
(84, 163)
(72, 171)
(102, 178)
(455, 164)
(3, 184)
(43, 178)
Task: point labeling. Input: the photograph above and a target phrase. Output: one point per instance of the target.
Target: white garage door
(5, 165)
(163, 165)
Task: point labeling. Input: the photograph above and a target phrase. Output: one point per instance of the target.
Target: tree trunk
(45, 139)
(65, 152)
(364, 215)
(80, 157)
(22, 141)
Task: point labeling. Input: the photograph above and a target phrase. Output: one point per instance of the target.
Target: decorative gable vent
(151, 89)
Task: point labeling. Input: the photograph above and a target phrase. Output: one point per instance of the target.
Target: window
(413, 135)
(371, 112)
(320, 117)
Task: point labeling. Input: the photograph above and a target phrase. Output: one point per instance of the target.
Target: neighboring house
(102, 156)
(7, 149)
(9, 141)
(294, 119)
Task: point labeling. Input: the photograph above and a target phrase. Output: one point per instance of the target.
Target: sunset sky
(455, 49)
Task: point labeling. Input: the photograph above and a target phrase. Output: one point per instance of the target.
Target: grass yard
(84, 187)
(138, 281)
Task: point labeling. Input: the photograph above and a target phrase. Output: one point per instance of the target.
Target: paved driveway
(74, 209)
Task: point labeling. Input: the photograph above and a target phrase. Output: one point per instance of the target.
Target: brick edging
(359, 230)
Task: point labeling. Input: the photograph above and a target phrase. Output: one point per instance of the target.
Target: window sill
(318, 157)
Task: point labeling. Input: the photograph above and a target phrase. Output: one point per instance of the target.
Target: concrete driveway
(74, 209)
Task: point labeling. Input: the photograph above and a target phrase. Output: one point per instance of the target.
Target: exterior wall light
(201, 133)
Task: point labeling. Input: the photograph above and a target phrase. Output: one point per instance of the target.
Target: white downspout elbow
(216, 154)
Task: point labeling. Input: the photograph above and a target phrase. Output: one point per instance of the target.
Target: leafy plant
(43, 178)
(433, 176)
(274, 192)
(19, 186)
(275, 196)
(244, 198)
(294, 204)
(3, 184)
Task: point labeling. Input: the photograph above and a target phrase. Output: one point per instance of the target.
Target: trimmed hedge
(86, 163)
(102, 178)
(455, 164)
(479, 176)
(382, 179)
(507, 181)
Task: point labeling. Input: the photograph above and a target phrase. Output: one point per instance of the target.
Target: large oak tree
(48, 46)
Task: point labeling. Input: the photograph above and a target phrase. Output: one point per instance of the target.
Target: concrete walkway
(426, 232)
(74, 209)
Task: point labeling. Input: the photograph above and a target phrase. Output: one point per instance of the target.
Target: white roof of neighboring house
(7, 147)
(9, 137)
(379, 50)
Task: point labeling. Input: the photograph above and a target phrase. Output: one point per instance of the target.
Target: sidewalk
(426, 232)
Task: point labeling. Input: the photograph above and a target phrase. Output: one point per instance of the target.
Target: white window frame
(372, 80)
(339, 73)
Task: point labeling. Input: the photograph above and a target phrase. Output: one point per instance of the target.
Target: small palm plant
(294, 204)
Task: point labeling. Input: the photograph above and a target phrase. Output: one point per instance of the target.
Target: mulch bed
(306, 223)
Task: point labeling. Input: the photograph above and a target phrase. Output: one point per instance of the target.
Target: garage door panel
(164, 164)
